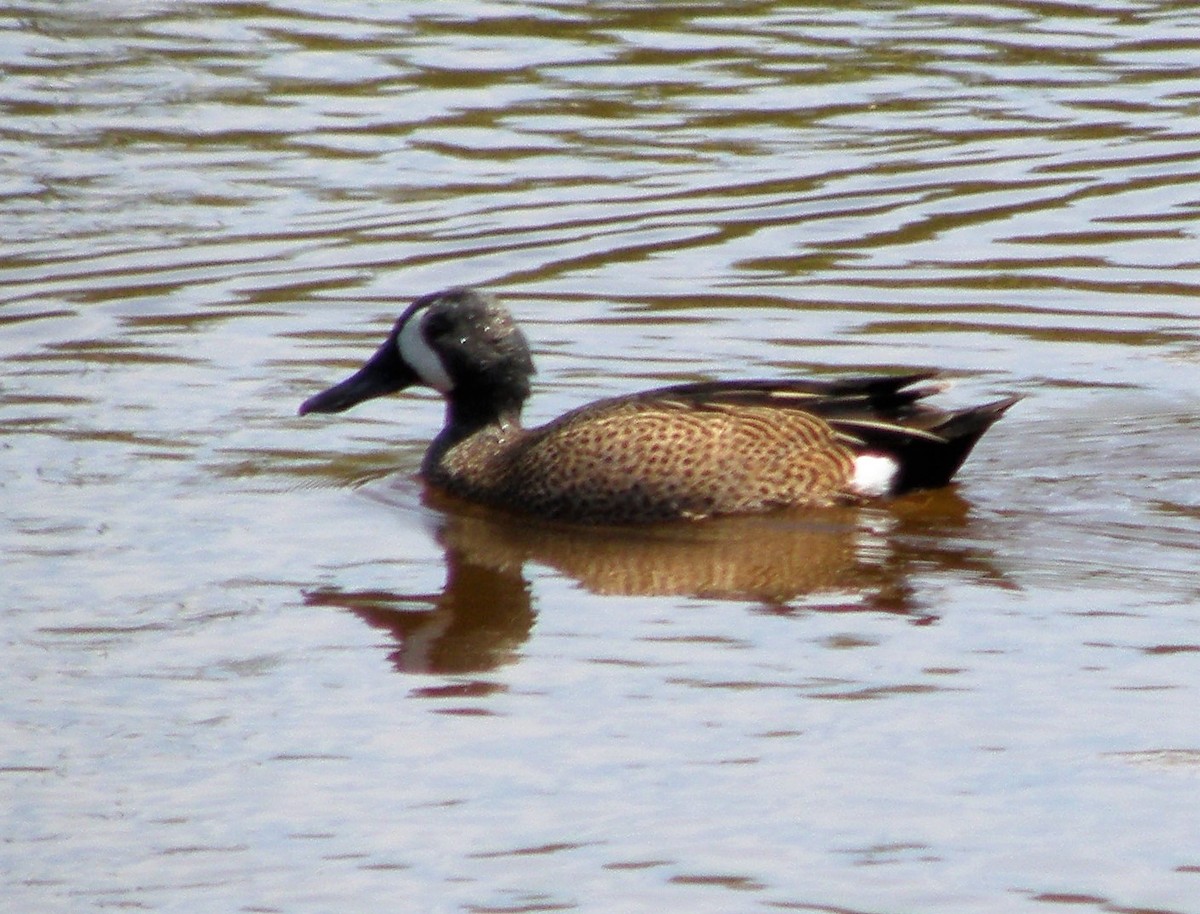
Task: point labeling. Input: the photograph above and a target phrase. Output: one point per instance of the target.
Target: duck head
(460, 342)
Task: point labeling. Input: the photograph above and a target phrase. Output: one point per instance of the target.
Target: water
(250, 666)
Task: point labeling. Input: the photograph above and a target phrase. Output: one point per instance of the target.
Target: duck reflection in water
(841, 560)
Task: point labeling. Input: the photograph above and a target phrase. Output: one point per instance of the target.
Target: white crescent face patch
(416, 352)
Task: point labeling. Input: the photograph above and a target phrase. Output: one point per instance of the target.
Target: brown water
(248, 668)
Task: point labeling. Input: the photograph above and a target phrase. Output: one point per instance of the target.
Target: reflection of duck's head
(688, 451)
(478, 622)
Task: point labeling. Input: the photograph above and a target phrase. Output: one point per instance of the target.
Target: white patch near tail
(420, 356)
(874, 475)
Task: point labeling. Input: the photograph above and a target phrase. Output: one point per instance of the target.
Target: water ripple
(215, 645)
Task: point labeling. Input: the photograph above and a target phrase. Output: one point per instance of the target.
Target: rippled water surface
(250, 666)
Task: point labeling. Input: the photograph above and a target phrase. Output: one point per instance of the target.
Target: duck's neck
(466, 419)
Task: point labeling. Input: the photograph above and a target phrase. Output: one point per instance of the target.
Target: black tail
(885, 414)
(927, 462)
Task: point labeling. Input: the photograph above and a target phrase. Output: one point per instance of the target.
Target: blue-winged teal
(688, 451)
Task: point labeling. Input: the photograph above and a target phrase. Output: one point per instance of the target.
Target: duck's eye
(435, 324)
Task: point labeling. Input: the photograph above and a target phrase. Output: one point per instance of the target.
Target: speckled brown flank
(648, 460)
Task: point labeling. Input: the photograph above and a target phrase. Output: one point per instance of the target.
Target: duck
(682, 452)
